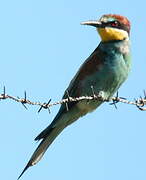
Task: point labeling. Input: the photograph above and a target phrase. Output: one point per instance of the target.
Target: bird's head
(111, 27)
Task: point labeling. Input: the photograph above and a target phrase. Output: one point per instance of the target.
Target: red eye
(114, 24)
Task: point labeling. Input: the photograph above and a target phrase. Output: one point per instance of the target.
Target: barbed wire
(139, 102)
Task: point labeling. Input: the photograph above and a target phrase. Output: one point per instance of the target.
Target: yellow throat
(110, 34)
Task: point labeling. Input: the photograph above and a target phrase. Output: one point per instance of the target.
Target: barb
(93, 92)
(115, 101)
(24, 101)
(139, 102)
(45, 106)
(68, 97)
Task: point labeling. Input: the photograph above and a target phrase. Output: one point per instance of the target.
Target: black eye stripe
(112, 24)
(115, 24)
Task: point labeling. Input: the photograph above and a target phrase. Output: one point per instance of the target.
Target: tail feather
(43, 146)
(50, 128)
(44, 133)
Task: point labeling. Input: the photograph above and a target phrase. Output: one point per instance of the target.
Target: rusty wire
(139, 102)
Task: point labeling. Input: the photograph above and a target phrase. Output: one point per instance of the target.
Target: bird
(105, 70)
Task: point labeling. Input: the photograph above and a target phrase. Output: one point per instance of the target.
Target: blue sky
(42, 44)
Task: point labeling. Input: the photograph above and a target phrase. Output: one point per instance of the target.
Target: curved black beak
(96, 24)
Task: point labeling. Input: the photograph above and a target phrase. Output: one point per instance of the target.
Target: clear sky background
(42, 45)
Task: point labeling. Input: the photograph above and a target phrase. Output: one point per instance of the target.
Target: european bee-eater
(105, 70)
